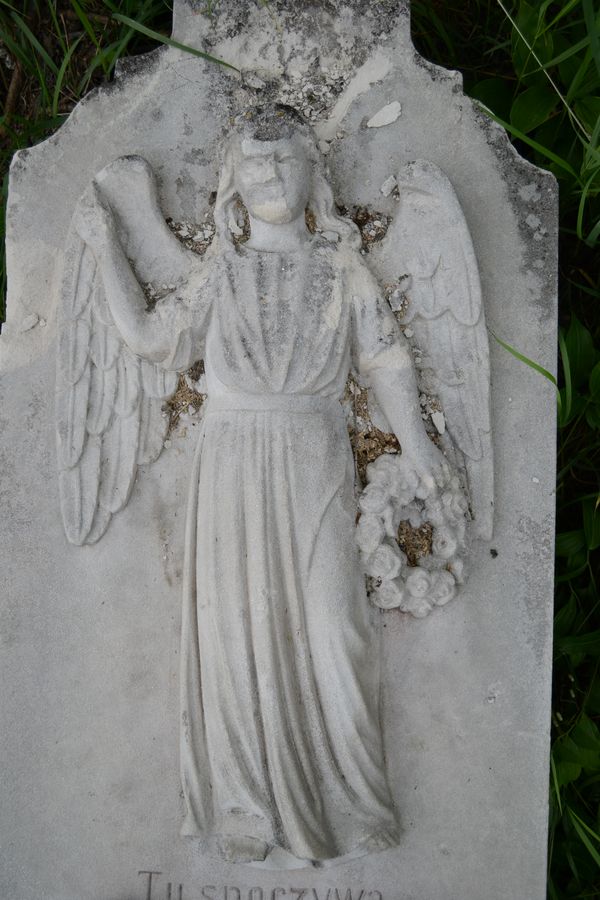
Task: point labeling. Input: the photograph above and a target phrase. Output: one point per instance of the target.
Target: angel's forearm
(393, 380)
(140, 330)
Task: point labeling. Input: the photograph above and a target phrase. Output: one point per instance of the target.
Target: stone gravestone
(215, 274)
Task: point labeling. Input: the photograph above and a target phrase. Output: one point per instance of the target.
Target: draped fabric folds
(281, 742)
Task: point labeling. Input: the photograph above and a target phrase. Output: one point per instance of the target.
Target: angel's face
(273, 179)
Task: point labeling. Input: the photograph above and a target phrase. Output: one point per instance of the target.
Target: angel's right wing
(428, 247)
(108, 400)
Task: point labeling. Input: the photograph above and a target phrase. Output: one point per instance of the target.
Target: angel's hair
(273, 124)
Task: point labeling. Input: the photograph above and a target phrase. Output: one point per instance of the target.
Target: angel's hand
(93, 219)
(428, 461)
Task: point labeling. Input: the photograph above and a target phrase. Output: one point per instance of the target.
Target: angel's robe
(281, 735)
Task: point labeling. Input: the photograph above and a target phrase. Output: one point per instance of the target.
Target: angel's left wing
(428, 253)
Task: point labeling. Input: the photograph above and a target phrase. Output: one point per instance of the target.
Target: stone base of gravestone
(91, 805)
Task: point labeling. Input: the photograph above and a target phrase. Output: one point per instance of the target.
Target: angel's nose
(268, 170)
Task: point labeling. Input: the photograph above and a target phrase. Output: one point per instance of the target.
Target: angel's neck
(288, 236)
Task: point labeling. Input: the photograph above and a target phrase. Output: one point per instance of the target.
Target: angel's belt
(304, 404)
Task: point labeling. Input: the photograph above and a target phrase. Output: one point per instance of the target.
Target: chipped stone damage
(415, 542)
(367, 441)
(197, 237)
(368, 444)
(188, 398)
(372, 225)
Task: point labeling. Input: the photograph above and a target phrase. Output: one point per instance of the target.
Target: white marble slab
(91, 635)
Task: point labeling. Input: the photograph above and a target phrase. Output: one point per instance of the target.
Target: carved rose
(444, 543)
(406, 487)
(457, 568)
(419, 607)
(373, 499)
(369, 533)
(389, 595)
(383, 471)
(386, 562)
(418, 583)
(397, 480)
(454, 500)
(444, 588)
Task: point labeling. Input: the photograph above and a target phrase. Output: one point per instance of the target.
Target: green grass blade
(525, 359)
(42, 82)
(87, 25)
(22, 26)
(584, 831)
(18, 52)
(556, 785)
(593, 235)
(564, 355)
(566, 9)
(591, 23)
(566, 54)
(57, 28)
(61, 74)
(170, 42)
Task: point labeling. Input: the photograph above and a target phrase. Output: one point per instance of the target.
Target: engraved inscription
(150, 875)
(172, 891)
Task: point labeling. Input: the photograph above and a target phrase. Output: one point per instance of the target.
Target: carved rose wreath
(394, 494)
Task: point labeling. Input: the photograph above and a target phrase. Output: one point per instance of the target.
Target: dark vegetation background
(535, 66)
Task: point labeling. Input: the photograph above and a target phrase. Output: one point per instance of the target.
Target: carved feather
(78, 277)
(101, 402)
(158, 385)
(128, 383)
(79, 492)
(153, 430)
(101, 522)
(119, 458)
(100, 304)
(429, 242)
(71, 406)
(73, 349)
(105, 345)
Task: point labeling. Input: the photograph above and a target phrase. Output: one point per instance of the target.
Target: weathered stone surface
(91, 634)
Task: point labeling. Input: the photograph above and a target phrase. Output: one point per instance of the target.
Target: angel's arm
(155, 335)
(384, 359)
(127, 302)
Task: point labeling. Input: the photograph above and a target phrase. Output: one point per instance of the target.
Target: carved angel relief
(281, 744)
